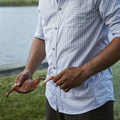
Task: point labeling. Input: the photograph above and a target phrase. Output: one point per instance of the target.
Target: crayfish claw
(46, 80)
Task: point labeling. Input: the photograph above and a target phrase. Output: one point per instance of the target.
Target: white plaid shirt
(75, 31)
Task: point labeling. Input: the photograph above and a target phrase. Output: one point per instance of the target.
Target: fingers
(62, 84)
(62, 87)
(66, 89)
(68, 78)
(17, 80)
(15, 85)
(61, 81)
(57, 77)
(21, 78)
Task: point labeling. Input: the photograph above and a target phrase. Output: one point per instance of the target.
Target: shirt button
(59, 8)
(55, 28)
(54, 68)
(53, 48)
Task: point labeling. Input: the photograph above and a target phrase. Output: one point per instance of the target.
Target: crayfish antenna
(40, 77)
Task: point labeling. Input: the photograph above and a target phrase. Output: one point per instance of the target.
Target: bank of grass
(31, 106)
(19, 2)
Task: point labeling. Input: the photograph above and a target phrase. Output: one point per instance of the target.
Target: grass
(32, 106)
(18, 2)
(22, 106)
(116, 84)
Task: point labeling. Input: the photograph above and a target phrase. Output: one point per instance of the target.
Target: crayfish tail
(9, 92)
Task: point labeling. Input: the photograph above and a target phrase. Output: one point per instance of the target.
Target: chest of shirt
(68, 12)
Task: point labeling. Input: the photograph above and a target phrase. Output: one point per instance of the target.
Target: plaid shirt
(75, 31)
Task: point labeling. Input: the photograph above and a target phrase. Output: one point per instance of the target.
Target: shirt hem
(77, 113)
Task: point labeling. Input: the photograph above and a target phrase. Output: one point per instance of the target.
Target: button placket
(58, 22)
(54, 54)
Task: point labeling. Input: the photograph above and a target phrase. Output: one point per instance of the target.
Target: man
(73, 35)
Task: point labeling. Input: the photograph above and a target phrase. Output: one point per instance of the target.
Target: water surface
(17, 28)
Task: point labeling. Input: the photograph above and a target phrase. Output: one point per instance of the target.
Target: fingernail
(18, 83)
(15, 84)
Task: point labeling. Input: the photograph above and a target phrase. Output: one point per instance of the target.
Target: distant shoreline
(5, 4)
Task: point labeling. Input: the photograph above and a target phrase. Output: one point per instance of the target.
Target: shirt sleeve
(39, 29)
(110, 13)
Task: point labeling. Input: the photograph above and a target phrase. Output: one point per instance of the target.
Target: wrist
(28, 70)
(85, 71)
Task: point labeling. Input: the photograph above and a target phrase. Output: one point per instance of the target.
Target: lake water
(17, 28)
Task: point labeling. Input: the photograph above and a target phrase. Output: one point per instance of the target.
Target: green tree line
(18, 2)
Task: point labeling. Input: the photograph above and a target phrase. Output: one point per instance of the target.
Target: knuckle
(54, 79)
(58, 83)
(65, 85)
(62, 80)
(62, 72)
(68, 68)
(65, 78)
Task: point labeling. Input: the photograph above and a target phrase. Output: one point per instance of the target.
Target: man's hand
(22, 77)
(36, 56)
(70, 77)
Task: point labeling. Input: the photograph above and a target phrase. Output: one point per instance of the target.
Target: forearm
(109, 56)
(36, 56)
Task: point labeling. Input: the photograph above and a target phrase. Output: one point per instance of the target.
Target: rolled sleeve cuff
(115, 30)
(39, 33)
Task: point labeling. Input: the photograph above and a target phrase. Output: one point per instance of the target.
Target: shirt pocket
(74, 15)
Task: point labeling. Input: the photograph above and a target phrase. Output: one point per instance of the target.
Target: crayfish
(29, 85)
